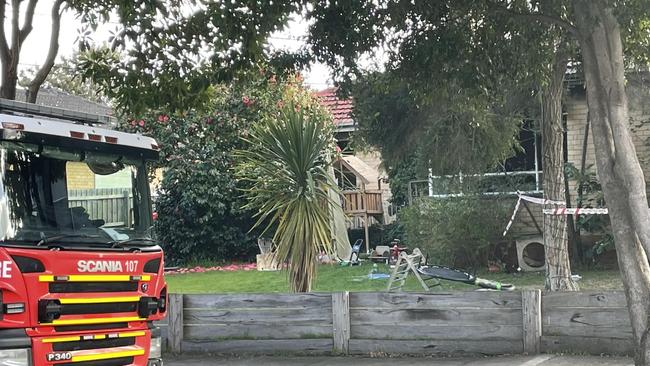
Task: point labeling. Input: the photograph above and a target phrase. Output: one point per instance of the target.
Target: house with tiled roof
(341, 110)
(359, 173)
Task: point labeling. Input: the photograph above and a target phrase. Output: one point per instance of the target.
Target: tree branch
(15, 27)
(539, 17)
(41, 75)
(550, 20)
(4, 47)
(29, 18)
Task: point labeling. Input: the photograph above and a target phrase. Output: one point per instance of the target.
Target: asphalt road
(540, 360)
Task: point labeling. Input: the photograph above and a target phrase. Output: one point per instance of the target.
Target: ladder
(409, 263)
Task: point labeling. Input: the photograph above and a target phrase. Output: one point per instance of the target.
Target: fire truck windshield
(54, 195)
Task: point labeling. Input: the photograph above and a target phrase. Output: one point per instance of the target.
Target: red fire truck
(81, 278)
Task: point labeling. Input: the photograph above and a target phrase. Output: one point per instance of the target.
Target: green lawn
(335, 278)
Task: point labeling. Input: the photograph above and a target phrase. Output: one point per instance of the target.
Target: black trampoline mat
(446, 273)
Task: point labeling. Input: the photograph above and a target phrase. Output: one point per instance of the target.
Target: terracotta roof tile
(341, 109)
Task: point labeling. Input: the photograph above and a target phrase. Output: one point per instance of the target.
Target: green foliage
(634, 21)
(170, 52)
(448, 130)
(399, 176)
(452, 95)
(200, 214)
(456, 231)
(379, 234)
(592, 196)
(287, 165)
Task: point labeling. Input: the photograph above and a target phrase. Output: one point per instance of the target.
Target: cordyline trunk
(556, 248)
(618, 166)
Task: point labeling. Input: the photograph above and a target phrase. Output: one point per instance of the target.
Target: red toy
(395, 250)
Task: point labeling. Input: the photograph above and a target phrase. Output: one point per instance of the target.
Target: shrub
(456, 231)
(379, 234)
(199, 215)
(200, 203)
(591, 195)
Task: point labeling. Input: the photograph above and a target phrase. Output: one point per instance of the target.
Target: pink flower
(163, 118)
(133, 123)
(209, 120)
(141, 123)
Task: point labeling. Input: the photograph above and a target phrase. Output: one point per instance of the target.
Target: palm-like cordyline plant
(287, 163)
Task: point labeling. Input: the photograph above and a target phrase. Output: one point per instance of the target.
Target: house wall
(525, 222)
(576, 110)
(576, 117)
(373, 159)
(79, 176)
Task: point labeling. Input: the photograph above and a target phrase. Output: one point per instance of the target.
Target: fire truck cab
(81, 277)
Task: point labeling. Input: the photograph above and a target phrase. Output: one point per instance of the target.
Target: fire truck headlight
(14, 357)
(155, 350)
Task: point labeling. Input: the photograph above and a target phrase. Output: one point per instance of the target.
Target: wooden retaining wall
(586, 322)
(411, 323)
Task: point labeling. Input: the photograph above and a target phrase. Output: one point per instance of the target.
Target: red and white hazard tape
(561, 210)
(512, 219)
(575, 211)
(541, 201)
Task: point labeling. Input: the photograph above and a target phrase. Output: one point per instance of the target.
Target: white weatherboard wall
(121, 179)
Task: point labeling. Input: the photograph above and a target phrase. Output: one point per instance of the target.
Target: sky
(37, 44)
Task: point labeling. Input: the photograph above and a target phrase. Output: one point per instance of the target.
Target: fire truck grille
(121, 307)
(83, 287)
(78, 328)
(122, 361)
(93, 344)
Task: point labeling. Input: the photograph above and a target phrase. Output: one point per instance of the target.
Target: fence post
(341, 321)
(175, 328)
(127, 209)
(531, 306)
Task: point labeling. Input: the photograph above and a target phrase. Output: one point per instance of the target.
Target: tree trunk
(38, 80)
(10, 55)
(580, 196)
(618, 166)
(9, 78)
(556, 248)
